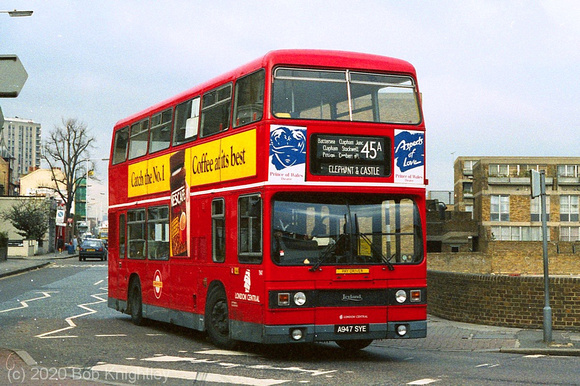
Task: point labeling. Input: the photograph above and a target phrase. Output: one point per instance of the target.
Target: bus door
(248, 276)
(117, 258)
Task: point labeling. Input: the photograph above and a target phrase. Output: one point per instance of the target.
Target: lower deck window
(136, 234)
(250, 229)
(158, 233)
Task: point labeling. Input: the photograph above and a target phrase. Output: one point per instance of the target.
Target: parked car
(92, 248)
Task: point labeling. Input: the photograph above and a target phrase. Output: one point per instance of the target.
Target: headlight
(299, 298)
(401, 296)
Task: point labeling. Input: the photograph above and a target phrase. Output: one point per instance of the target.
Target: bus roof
(290, 57)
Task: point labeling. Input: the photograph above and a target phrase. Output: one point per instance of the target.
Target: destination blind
(345, 155)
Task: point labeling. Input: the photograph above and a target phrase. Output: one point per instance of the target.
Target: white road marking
(56, 265)
(534, 356)
(24, 304)
(424, 381)
(69, 320)
(223, 352)
(170, 358)
(487, 365)
(121, 372)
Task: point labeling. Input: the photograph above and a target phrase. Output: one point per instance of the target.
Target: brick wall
(509, 301)
(511, 257)
(469, 262)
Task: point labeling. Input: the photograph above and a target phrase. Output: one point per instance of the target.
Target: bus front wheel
(217, 319)
(136, 303)
(354, 345)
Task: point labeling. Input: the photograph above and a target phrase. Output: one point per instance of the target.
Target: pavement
(442, 334)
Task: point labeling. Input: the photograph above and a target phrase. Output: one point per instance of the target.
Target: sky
(498, 78)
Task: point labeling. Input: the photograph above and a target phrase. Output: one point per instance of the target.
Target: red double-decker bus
(282, 202)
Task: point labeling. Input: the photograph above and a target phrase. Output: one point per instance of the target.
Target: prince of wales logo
(287, 153)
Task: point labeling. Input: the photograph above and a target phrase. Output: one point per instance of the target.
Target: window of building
(250, 229)
(185, 126)
(249, 99)
(218, 230)
(517, 233)
(569, 233)
(120, 149)
(215, 110)
(569, 208)
(536, 209)
(136, 234)
(138, 139)
(567, 170)
(160, 131)
(468, 167)
(468, 187)
(158, 233)
(500, 208)
(499, 170)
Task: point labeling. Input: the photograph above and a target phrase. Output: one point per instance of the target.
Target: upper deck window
(160, 131)
(139, 138)
(249, 99)
(186, 121)
(345, 95)
(215, 110)
(121, 141)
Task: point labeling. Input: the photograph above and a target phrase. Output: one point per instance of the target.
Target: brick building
(496, 190)
(488, 245)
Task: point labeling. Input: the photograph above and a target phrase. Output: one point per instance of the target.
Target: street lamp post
(87, 174)
(17, 13)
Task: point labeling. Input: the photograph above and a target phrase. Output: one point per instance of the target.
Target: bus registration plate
(351, 328)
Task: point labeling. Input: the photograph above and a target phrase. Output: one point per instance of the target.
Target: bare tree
(67, 149)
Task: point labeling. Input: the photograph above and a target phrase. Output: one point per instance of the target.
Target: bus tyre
(217, 321)
(354, 345)
(136, 304)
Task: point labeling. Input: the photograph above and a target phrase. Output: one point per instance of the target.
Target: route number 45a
(371, 149)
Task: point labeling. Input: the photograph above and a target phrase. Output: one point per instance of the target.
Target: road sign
(12, 76)
(535, 183)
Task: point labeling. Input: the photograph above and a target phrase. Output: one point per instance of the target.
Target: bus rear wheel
(354, 345)
(217, 321)
(136, 303)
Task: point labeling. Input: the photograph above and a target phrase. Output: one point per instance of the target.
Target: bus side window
(218, 225)
(250, 229)
(139, 137)
(122, 236)
(158, 233)
(160, 131)
(186, 121)
(136, 234)
(215, 110)
(249, 99)
(120, 149)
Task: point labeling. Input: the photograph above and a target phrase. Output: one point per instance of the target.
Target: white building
(22, 138)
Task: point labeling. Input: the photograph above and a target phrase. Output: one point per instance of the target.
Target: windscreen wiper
(327, 252)
(376, 250)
